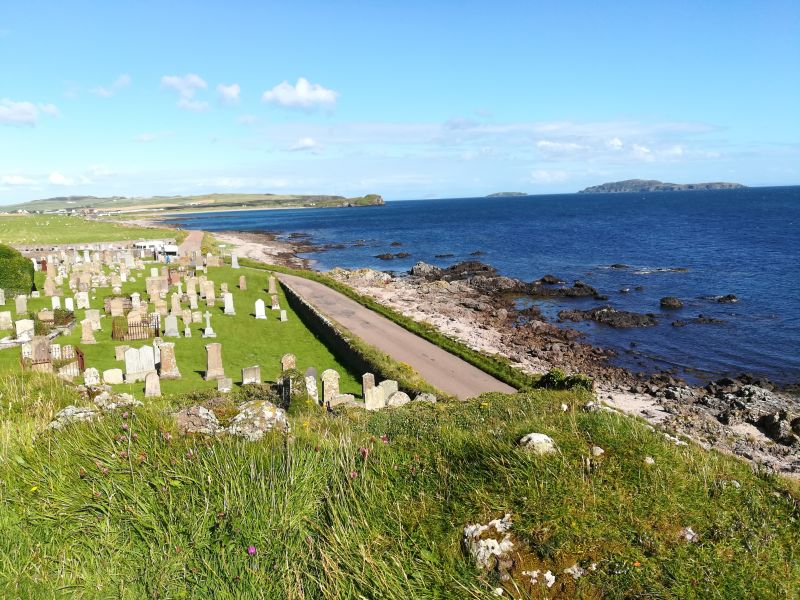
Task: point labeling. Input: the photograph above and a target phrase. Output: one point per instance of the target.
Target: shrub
(556, 379)
(16, 271)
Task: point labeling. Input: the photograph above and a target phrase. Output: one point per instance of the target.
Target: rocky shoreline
(472, 303)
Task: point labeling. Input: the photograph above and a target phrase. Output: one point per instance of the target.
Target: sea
(694, 245)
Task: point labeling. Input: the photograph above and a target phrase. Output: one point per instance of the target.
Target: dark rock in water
(458, 272)
(390, 256)
(608, 315)
(671, 302)
(728, 299)
(449, 255)
(619, 266)
(639, 288)
(396, 244)
(601, 297)
(578, 290)
(550, 280)
(706, 320)
(679, 323)
(477, 253)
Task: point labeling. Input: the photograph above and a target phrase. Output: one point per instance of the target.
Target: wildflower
(364, 452)
(166, 435)
(251, 550)
(125, 415)
(385, 438)
(82, 472)
(637, 564)
(353, 474)
(125, 427)
(484, 404)
(123, 455)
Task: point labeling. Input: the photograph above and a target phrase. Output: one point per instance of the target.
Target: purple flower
(125, 426)
(251, 550)
(364, 452)
(353, 474)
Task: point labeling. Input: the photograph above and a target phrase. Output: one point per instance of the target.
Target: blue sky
(406, 99)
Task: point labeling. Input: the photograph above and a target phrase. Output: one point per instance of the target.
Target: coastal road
(438, 367)
(192, 243)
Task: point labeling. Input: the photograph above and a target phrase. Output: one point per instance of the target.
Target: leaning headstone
(330, 385)
(288, 361)
(242, 282)
(260, 309)
(171, 326)
(234, 261)
(152, 386)
(91, 377)
(87, 332)
(214, 368)
(112, 376)
(21, 304)
(228, 300)
(311, 385)
(284, 317)
(169, 366)
(251, 375)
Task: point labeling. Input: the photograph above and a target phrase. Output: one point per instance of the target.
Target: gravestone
(46, 315)
(223, 288)
(152, 386)
(93, 315)
(175, 306)
(117, 306)
(154, 272)
(214, 368)
(6, 322)
(2, 297)
(288, 361)
(82, 300)
(69, 304)
(49, 287)
(91, 377)
(260, 309)
(275, 304)
(55, 351)
(87, 332)
(330, 385)
(251, 375)
(193, 301)
(169, 366)
(242, 282)
(186, 317)
(113, 376)
(208, 332)
(68, 351)
(40, 348)
(119, 352)
(311, 385)
(373, 398)
(367, 382)
(134, 317)
(234, 260)
(388, 388)
(197, 317)
(136, 298)
(161, 307)
(171, 326)
(21, 304)
(139, 363)
(284, 317)
(272, 287)
(229, 308)
(224, 384)
(55, 302)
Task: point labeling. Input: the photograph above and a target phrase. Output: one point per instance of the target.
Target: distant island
(506, 194)
(651, 185)
(114, 205)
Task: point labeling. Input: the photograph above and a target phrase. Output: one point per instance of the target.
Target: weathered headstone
(272, 287)
(119, 352)
(136, 298)
(242, 282)
(193, 301)
(6, 322)
(21, 304)
(367, 382)
(55, 302)
(91, 377)
(152, 386)
(82, 300)
(2, 297)
(87, 332)
(175, 306)
(373, 398)
(214, 368)
(330, 385)
(113, 376)
(117, 306)
(284, 317)
(260, 309)
(234, 261)
(49, 286)
(251, 375)
(139, 363)
(208, 332)
(224, 384)
(288, 361)
(169, 366)
(311, 385)
(134, 317)
(229, 308)
(171, 326)
(55, 351)
(388, 387)
(69, 304)
(275, 304)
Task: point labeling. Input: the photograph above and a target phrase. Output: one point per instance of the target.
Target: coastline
(489, 323)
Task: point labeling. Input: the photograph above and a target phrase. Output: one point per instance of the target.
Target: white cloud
(303, 94)
(193, 105)
(24, 113)
(229, 94)
(548, 176)
(643, 153)
(185, 85)
(57, 178)
(16, 180)
(305, 144)
(614, 143)
(106, 91)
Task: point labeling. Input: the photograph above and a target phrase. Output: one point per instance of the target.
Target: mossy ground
(372, 505)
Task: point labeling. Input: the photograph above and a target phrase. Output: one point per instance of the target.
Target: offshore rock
(610, 316)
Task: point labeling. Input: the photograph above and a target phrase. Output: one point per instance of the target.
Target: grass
(497, 366)
(245, 341)
(47, 230)
(333, 511)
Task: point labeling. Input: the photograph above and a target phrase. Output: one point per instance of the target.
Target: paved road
(192, 243)
(440, 368)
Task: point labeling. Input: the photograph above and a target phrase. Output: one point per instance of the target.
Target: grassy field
(372, 505)
(57, 229)
(245, 341)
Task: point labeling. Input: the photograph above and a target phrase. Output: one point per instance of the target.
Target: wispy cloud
(24, 113)
(303, 94)
(229, 94)
(306, 144)
(186, 86)
(106, 91)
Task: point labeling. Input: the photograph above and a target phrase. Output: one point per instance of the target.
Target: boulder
(491, 546)
(257, 417)
(398, 399)
(198, 419)
(539, 443)
(107, 401)
(73, 414)
(670, 302)
(425, 397)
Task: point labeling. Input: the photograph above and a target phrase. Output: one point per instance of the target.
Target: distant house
(157, 247)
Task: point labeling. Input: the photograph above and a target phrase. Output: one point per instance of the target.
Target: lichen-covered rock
(198, 419)
(538, 443)
(491, 545)
(73, 414)
(257, 417)
(107, 402)
(398, 399)
(425, 397)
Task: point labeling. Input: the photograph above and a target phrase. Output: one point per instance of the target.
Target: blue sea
(743, 242)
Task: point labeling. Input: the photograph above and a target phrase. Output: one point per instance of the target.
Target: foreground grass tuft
(367, 505)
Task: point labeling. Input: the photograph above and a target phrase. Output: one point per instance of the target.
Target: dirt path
(438, 367)
(192, 243)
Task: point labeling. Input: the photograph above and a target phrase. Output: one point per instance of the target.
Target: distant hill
(651, 185)
(205, 202)
(506, 194)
